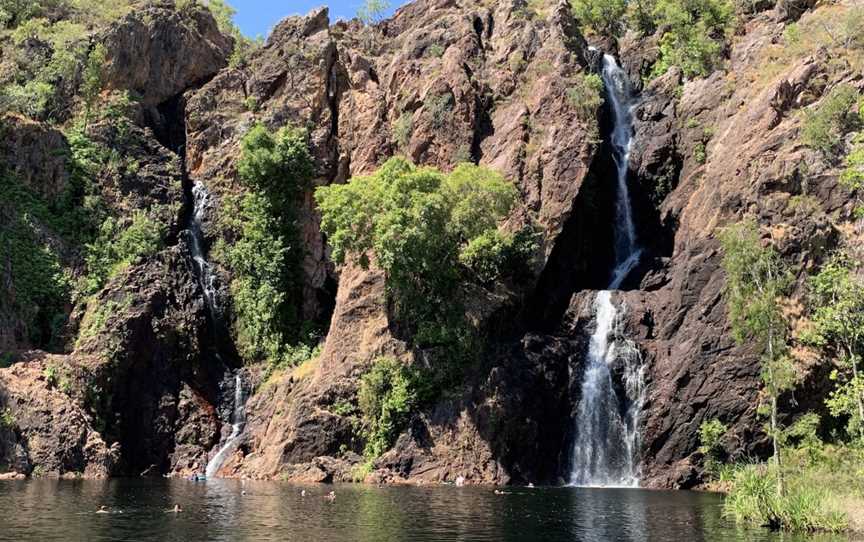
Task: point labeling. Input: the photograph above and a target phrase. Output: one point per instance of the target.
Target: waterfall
(238, 423)
(606, 445)
(203, 270)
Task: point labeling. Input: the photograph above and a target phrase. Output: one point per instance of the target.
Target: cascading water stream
(203, 269)
(606, 446)
(207, 279)
(238, 423)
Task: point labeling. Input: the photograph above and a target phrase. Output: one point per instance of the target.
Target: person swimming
(103, 510)
(331, 496)
(175, 510)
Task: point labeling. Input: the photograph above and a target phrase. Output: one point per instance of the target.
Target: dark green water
(218, 510)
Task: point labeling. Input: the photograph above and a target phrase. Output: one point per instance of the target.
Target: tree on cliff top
(373, 11)
(755, 283)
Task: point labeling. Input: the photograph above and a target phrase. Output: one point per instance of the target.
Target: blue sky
(259, 16)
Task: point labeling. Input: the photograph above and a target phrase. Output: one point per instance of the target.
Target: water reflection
(220, 510)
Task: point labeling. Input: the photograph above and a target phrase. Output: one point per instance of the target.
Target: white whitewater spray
(238, 423)
(606, 446)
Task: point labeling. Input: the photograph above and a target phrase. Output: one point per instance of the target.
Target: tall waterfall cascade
(203, 270)
(238, 424)
(606, 444)
(207, 280)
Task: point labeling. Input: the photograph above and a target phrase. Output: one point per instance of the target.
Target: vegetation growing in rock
(31, 255)
(711, 434)
(756, 280)
(826, 123)
(694, 34)
(224, 15)
(120, 243)
(439, 107)
(403, 128)
(386, 399)
(585, 94)
(837, 298)
(428, 231)
(604, 17)
(275, 167)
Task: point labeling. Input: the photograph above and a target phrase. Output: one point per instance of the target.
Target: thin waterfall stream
(238, 423)
(606, 444)
(207, 279)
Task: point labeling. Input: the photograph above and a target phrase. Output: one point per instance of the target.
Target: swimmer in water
(175, 510)
(331, 496)
(103, 510)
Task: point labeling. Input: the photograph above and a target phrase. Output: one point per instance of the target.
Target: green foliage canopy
(837, 298)
(275, 167)
(386, 399)
(756, 280)
(420, 224)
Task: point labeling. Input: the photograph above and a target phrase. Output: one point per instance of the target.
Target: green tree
(93, 79)
(373, 11)
(853, 174)
(837, 298)
(605, 17)
(755, 281)
(694, 34)
(275, 168)
(417, 222)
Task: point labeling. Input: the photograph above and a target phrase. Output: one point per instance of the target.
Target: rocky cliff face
(473, 81)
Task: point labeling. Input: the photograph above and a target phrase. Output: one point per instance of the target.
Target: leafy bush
(605, 17)
(439, 108)
(711, 434)
(7, 419)
(416, 222)
(119, 244)
(695, 34)
(435, 50)
(31, 255)
(493, 254)
(826, 123)
(265, 258)
(403, 128)
(586, 95)
(93, 78)
(386, 398)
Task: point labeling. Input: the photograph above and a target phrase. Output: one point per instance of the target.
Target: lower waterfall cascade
(606, 443)
(238, 424)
